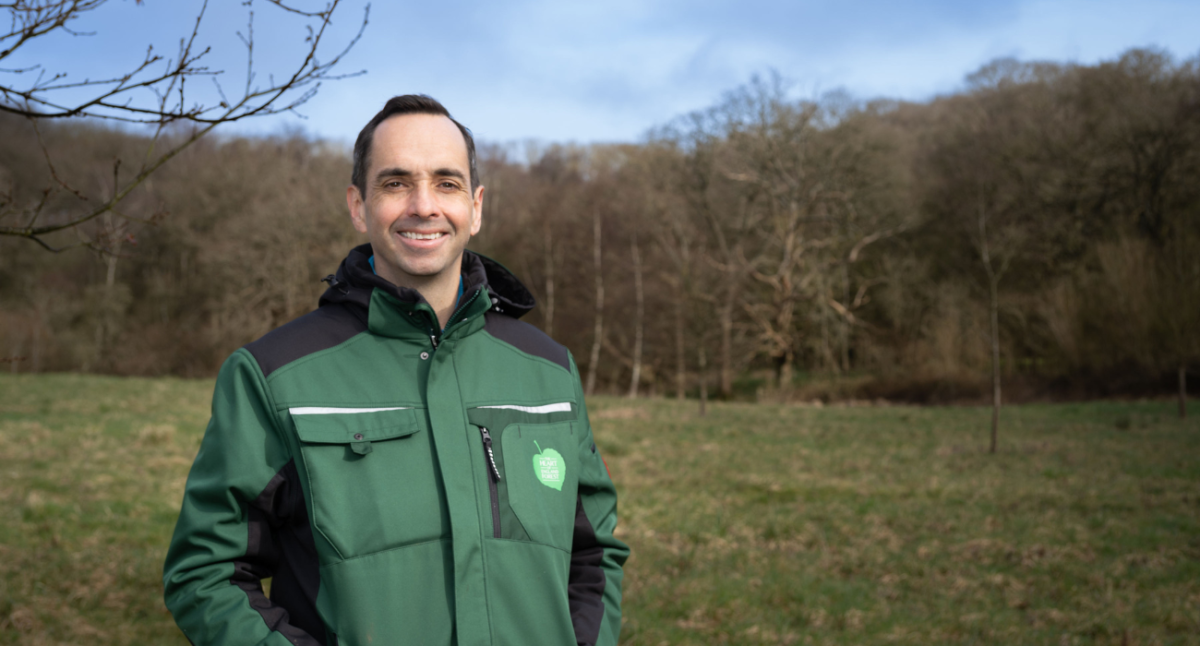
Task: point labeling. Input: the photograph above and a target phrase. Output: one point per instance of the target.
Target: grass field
(757, 524)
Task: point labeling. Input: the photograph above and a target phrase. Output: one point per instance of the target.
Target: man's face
(419, 210)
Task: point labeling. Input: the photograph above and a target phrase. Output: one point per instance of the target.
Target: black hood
(354, 281)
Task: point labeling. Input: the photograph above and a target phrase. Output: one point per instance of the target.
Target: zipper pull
(433, 339)
(487, 445)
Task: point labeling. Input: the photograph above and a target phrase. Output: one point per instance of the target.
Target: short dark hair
(405, 104)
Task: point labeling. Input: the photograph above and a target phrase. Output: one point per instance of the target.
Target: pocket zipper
(493, 478)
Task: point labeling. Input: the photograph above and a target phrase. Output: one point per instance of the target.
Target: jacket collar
(355, 281)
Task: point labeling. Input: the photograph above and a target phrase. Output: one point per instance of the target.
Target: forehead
(418, 142)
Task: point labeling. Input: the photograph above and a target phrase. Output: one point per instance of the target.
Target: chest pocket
(371, 476)
(542, 467)
(535, 453)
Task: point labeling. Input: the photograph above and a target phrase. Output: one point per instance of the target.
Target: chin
(423, 271)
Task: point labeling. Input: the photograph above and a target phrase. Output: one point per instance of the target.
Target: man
(409, 463)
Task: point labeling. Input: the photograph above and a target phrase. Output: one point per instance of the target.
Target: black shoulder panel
(526, 338)
(323, 328)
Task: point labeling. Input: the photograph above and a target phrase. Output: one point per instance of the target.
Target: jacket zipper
(434, 335)
(462, 307)
(493, 478)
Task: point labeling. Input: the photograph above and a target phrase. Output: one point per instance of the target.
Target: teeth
(412, 235)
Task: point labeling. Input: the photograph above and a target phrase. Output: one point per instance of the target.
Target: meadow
(755, 524)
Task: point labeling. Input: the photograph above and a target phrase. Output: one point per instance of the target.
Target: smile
(413, 235)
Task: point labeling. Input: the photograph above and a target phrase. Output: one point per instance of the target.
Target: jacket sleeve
(597, 557)
(223, 544)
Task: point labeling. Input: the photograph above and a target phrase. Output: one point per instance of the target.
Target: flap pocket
(353, 425)
(394, 461)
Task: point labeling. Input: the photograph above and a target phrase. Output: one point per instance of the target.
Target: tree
(598, 328)
(1153, 136)
(989, 195)
(777, 152)
(154, 93)
(639, 325)
(718, 205)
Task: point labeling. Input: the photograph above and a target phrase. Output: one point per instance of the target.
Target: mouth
(415, 235)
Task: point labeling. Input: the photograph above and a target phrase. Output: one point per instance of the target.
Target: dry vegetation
(771, 524)
(1044, 221)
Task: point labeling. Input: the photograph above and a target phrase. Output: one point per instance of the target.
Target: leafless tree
(598, 321)
(778, 153)
(157, 93)
(989, 192)
(639, 325)
(719, 205)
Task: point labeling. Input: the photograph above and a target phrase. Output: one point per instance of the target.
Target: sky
(563, 71)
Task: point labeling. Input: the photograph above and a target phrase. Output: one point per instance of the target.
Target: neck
(440, 291)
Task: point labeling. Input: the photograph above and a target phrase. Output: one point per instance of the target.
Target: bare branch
(852, 257)
(860, 298)
(308, 14)
(848, 315)
(118, 98)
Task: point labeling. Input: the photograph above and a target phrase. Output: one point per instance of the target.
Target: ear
(477, 207)
(354, 202)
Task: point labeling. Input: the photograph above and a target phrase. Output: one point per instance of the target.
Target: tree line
(1039, 228)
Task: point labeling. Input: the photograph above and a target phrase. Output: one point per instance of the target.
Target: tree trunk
(827, 357)
(994, 307)
(110, 277)
(702, 359)
(598, 331)
(1182, 390)
(107, 314)
(731, 295)
(15, 360)
(994, 319)
(844, 324)
(785, 370)
(680, 360)
(639, 301)
(548, 257)
(36, 349)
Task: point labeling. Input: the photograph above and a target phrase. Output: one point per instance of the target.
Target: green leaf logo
(550, 467)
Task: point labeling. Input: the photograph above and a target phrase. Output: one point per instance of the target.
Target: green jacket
(399, 485)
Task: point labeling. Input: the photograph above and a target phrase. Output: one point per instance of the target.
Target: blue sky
(556, 70)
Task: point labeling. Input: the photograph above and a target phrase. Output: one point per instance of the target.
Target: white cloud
(589, 71)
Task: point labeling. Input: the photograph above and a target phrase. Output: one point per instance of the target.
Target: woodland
(1039, 228)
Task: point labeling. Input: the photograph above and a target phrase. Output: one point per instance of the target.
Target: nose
(423, 203)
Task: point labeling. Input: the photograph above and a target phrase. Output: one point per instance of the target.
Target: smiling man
(409, 463)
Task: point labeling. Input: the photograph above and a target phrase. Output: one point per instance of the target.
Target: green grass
(757, 524)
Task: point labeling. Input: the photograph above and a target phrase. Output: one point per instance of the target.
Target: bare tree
(639, 315)
(869, 203)
(155, 93)
(676, 239)
(548, 260)
(778, 153)
(988, 195)
(1159, 155)
(719, 204)
(598, 322)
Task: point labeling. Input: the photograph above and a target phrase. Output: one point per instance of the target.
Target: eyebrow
(404, 172)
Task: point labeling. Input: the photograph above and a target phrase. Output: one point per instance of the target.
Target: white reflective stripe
(321, 410)
(561, 407)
